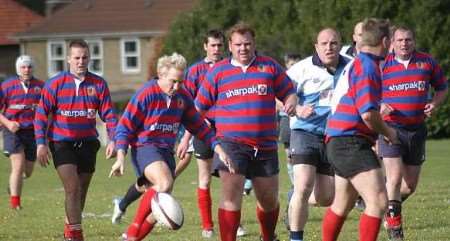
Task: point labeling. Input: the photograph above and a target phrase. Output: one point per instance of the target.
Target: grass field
(426, 214)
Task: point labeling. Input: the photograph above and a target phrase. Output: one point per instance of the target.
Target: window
(56, 56)
(130, 55)
(96, 51)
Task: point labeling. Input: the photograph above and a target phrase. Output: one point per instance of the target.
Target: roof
(109, 18)
(15, 18)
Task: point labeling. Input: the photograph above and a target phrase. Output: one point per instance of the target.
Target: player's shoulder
(95, 79)
(9, 81)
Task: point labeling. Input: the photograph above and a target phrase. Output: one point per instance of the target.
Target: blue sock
(296, 235)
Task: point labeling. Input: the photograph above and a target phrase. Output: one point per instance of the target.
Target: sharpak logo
(89, 113)
(260, 89)
(165, 127)
(419, 85)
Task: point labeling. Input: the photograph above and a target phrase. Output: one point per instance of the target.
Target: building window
(56, 56)
(130, 55)
(96, 51)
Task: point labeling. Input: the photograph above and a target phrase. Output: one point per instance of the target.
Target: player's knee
(302, 192)
(163, 186)
(326, 199)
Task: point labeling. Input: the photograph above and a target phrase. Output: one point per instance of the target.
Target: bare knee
(163, 186)
(204, 180)
(302, 192)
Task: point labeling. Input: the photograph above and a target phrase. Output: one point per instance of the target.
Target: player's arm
(107, 115)
(46, 104)
(438, 98)
(372, 118)
(127, 127)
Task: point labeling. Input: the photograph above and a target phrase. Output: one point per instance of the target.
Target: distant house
(14, 18)
(124, 38)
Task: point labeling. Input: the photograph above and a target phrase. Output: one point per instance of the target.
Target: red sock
(66, 230)
(143, 211)
(228, 224)
(331, 225)
(369, 227)
(395, 221)
(204, 205)
(267, 223)
(145, 229)
(73, 231)
(15, 201)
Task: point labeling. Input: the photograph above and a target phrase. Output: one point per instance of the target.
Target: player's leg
(343, 202)
(232, 186)
(30, 147)
(264, 169)
(411, 174)
(267, 208)
(305, 176)
(394, 170)
(121, 203)
(204, 155)
(65, 160)
(158, 167)
(87, 159)
(16, 178)
(323, 192)
(371, 187)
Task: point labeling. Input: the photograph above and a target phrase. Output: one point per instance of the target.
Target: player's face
(214, 49)
(78, 60)
(242, 47)
(25, 72)
(170, 80)
(327, 47)
(357, 34)
(404, 44)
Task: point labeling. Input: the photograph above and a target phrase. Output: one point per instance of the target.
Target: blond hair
(166, 62)
(373, 31)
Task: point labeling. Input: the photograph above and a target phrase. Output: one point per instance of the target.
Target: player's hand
(289, 108)
(42, 155)
(13, 126)
(182, 148)
(117, 168)
(304, 111)
(225, 158)
(429, 109)
(385, 109)
(110, 151)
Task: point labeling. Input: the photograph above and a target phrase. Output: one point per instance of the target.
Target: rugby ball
(167, 211)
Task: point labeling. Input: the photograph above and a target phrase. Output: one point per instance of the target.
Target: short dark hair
(214, 33)
(404, 28)
(78, 43)
(241, 28)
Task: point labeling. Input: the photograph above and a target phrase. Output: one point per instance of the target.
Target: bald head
(327, 46)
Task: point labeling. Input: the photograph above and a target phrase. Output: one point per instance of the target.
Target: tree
(291, 26)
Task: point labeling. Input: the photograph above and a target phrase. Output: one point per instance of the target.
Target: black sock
(394, 208)
(132, 195)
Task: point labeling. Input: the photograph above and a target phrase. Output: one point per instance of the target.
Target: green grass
(426, 214)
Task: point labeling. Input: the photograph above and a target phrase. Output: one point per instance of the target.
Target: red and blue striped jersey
(362, 94)
(73, 113)
(195, 75)
(406, 89)
(18, 105)
(244, 102)
(153, 118)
